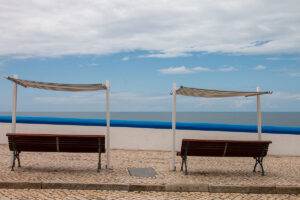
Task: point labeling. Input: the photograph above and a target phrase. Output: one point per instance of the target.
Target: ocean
(289, 119)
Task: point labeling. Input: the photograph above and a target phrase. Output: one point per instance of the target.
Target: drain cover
(142, 172)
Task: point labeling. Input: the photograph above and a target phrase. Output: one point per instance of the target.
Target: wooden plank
(228, 148)
(49, 142)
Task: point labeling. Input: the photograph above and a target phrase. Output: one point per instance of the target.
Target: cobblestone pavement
(101, 195)
(81, 168)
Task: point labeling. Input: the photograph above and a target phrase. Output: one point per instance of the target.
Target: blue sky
(144, 48)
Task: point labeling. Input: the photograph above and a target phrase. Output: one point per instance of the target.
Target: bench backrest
(55, 143)
(230, 148)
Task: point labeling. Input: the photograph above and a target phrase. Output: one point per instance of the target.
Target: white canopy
(63, 87)
(195, 92)
(58, 86)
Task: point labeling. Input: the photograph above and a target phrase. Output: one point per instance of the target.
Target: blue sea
(289, 119)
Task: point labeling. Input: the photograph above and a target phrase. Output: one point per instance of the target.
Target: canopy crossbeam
(195, 92)
(57, 86)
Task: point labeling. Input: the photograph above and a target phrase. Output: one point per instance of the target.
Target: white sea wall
(158, 139)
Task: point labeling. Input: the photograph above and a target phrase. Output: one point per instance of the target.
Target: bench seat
(224, 148)
(19, 142)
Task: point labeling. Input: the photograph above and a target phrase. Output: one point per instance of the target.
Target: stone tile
(139, 187)
(102, 195)
(73, 168)
(20, 185)
(262, 189)
(287, 190)
(187, 188)
(228, 189)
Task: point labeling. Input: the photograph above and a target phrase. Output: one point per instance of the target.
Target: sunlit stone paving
(82, 168)
(101, 195)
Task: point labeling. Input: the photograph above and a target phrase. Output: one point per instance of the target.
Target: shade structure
(62, 87)
(58, 86)
(195, 92)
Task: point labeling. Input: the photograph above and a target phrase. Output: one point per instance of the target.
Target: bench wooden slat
(224, 148)
(235, 148)
(48, 142)
(19, 142)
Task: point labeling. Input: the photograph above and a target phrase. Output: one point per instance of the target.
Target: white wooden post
(14, 106)
(107, 127)
(173, 127)
(14, 113)
(258, 115)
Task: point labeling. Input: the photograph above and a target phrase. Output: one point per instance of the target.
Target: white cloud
(93, 64)
(172, 28)
(273, 58)
(283, 95)
(260, 67)
(242, 102)
(295, 58)
(202, 69)
(128, 101)
(227, 69)
(125, 58)
(72, 99)
(165, 55)
(119, 101)
(184, 70)
(217, 104)
(295, 74)
(284, 58)
(176, 70)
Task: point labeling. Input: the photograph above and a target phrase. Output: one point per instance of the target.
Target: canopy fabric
(186, 91)
(58, 86)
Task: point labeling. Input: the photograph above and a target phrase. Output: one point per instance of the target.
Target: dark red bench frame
(224, 148)
(19, 142)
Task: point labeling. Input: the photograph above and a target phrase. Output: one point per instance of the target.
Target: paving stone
(20, 185)
(103, 195)
(187, 188)
(228, 189)
(85, 186)
(262, 189)
(138, 187)
(74, 168)
(287, 190)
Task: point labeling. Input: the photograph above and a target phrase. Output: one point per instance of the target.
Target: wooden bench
(224, 148)
(19, 142)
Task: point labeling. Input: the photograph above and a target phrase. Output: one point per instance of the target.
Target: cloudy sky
(142, 47)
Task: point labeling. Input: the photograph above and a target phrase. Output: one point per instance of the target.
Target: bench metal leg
(16, 155)
(183, 162)
(13, 162)
(99, 162)
(259, 160)
(184, 158)
(185, 172)
(99, 155)
(181, 169)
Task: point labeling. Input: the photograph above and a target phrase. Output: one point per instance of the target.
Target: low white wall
(158, 139)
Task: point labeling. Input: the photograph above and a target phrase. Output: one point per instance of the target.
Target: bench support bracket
(184, 158)
(259, 160)
(16, 156)
(99, 155)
